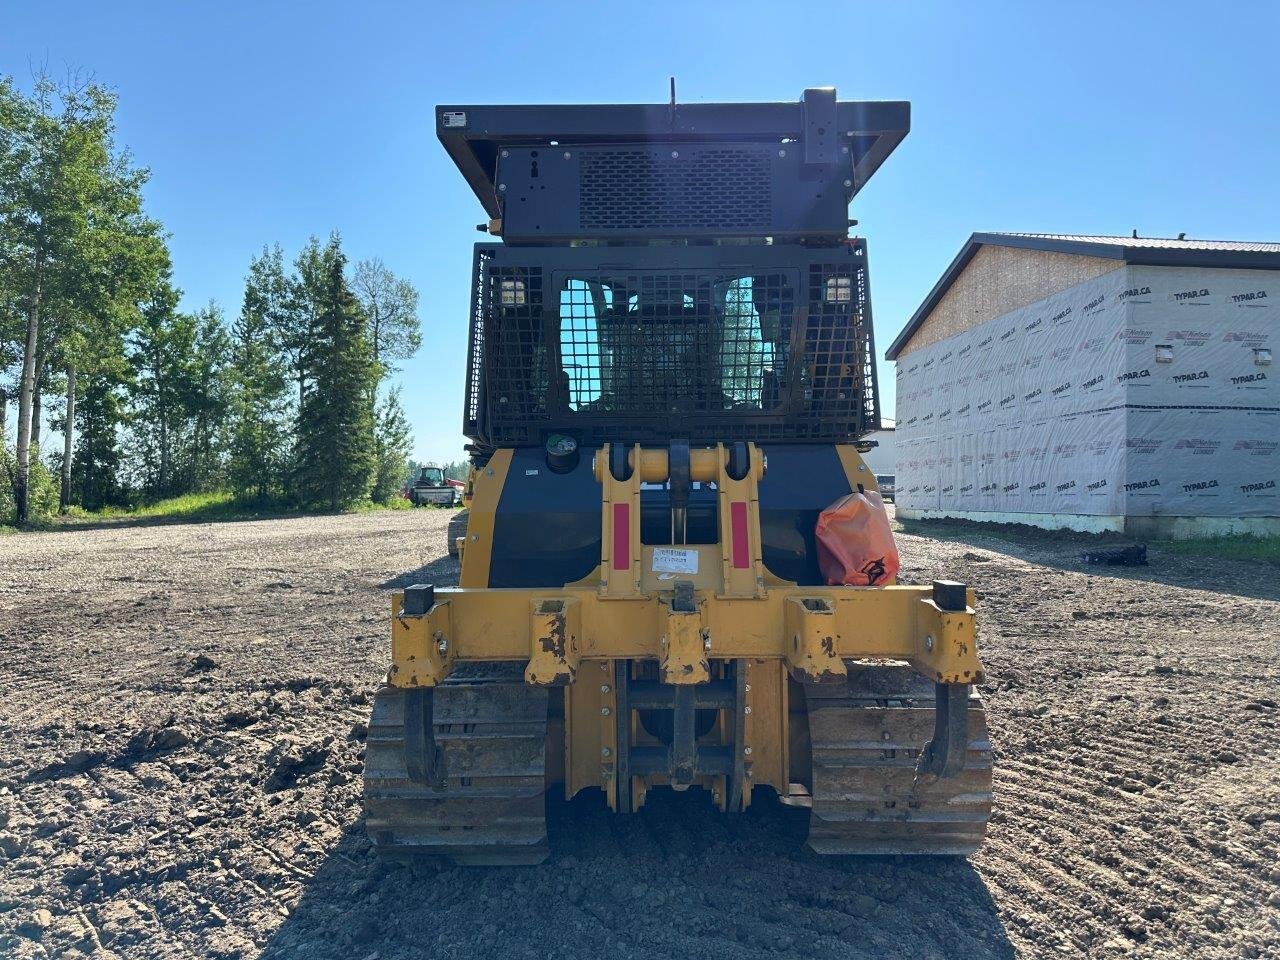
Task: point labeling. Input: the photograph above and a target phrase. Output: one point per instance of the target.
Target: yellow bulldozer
(670, 370)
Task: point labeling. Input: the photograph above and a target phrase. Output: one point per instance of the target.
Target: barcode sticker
(671, 560)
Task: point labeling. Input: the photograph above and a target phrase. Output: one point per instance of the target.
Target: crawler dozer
(670, 368)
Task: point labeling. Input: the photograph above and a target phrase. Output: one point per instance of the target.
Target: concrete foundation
(1143, 528)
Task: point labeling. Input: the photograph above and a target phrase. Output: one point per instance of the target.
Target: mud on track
(181, 719)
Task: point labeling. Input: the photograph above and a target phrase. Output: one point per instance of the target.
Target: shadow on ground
(676, 880)
(441, 572)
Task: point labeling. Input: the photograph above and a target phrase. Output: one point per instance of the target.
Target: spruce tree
(160, 352)
(258, 388)
(336, 459)
(100, 413)
(393, 439)
(208, 402)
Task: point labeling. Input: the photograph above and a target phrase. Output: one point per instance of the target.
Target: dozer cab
(670, 366)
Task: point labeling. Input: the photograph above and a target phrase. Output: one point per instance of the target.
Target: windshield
(433, 476)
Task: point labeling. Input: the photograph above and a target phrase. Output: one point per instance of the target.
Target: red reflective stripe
(621, 536)
(738, 525)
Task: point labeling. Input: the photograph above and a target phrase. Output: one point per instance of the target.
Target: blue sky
(265, 122)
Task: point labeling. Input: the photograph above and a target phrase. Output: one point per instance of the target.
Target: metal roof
(1145, 251)
(1070, 242)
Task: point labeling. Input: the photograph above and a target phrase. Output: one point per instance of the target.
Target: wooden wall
(998, 280)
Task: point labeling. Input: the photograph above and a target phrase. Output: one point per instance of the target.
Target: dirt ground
(181, 719)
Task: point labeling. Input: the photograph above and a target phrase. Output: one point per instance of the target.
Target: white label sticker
(670, 560)
(531, 473)
(454, 118)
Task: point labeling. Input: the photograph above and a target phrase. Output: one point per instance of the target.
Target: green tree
(301, 306)
(457, 470)
(179, 396)
(97, 467)
(258, 385)
(391, 306)
(161, 353)
(393, 440)
(336, 459)
(208, 402)
(76, 245)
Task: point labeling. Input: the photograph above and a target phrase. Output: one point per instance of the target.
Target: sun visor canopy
(637, 171)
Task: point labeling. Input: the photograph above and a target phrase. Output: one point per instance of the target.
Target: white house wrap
(1143, 392)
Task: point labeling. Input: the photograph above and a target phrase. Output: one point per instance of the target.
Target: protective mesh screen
(838, 345)
(773, 354)
(516, 370)
(662, 344)
(712, 189)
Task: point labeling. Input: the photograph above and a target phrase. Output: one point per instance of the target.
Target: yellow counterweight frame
(570, 636)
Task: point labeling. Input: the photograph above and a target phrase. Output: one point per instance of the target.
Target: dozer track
(865, 737)
(481, 799)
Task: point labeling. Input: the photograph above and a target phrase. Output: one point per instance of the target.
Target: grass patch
(187, 507)
(1243, 547)
(219, 506)
(369, 506)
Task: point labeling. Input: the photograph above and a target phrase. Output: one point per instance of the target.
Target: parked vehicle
(432, 488)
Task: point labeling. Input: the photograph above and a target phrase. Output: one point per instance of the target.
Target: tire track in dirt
(165, 807)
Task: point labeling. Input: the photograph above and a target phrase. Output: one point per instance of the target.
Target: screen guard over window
(765, 343)
(658, 344)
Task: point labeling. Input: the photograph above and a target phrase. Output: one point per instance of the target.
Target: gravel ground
(181, 719)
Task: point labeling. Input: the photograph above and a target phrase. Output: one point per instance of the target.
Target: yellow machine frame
(571, 636)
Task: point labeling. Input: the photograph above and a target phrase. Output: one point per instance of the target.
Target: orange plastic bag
(855, 543)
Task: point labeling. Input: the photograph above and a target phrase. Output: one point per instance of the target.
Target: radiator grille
(719, 190)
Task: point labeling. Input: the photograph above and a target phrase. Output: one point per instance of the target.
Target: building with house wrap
(1095, 383)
